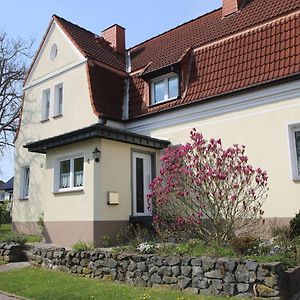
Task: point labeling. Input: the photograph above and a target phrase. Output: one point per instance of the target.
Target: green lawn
(44, 284)
(6, 232)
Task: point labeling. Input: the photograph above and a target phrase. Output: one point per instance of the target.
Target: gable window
(165, 88)
(46, 105)
(58, 100)
(69, 174)
(24, 187)
(294, 139)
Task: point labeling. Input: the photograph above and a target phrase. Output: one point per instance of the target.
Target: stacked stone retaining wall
(224, 277)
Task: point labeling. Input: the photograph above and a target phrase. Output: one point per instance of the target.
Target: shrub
(206, 191)
(295, 225)
(244, 245)
(134, 235)
(82, 246)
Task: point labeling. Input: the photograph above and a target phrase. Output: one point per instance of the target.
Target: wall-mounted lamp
(96, 155)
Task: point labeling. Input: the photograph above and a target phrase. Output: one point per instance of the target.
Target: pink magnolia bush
(206, 191)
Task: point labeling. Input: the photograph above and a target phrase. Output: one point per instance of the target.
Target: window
(294, 137)
(70, 174)
(53, 52)
(58, 100)
(25, 176)
(165, 88)
(45, 105)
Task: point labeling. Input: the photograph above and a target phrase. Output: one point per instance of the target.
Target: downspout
(126, 88)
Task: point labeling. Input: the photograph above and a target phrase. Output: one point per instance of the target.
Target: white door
(141, 178)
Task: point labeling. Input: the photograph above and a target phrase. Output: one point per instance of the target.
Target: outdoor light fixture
(96, 155)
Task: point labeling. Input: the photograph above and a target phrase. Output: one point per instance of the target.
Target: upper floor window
(58, 100)
(45, 104)
(165, 88)
(294, 137)
(24, 184)
(53, 52)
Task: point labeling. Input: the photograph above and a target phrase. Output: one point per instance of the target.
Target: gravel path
(13, 266)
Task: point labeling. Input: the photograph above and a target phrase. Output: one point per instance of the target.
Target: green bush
(295, 225)
(12, 237)
(82, 246)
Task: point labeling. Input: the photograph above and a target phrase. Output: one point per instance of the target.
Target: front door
(141, 178)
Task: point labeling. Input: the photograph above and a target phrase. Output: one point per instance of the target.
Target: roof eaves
(92, 132)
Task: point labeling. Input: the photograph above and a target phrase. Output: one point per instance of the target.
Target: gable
(46, 62)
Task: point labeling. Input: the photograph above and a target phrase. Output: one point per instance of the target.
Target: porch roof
(92, 132)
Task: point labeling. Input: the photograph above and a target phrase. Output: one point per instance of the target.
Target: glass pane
(139, 185)
(60, 100)
(159, 94)
(65, 167)
(26, 182)
(173, 87)
(297, 141)
(78, 171)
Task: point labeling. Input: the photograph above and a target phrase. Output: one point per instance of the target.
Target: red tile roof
(246, 49)
(255, 57)
(91, 45)
(167, 48)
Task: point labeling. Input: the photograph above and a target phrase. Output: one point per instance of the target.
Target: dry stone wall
(226, 277)
(11, 252)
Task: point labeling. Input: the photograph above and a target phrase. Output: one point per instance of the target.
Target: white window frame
(164, 78)
(56, 179)
(56, 106)
(46, 114)
(25, 182)
(292, 128)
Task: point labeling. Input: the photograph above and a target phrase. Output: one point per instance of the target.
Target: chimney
(115, 35)
(230, 7)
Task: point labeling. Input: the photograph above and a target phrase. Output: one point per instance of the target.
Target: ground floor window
(141, 178)
(24, 183)
(294, 139)
(70, 173)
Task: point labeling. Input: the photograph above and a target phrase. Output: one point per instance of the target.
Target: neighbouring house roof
(9, 185)
(92, 132)
(1, 184)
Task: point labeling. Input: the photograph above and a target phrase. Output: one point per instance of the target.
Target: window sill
(57, 116)
(163, 102)
(69, 190)
(45, 121)
(24, 198)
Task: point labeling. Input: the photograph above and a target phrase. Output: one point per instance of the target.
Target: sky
(142, 20)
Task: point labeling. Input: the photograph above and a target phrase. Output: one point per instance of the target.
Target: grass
(6, 233)
(39, 284)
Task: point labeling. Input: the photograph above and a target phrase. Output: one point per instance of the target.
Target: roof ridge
(173, 28)
(74, 24)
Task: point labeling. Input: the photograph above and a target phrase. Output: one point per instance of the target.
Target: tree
(13, 66)
(206, 191)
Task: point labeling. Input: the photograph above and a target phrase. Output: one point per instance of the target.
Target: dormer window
(164, 88)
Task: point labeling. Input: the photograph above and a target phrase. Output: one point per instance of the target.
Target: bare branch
(14, 54)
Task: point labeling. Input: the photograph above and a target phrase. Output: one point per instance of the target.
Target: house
(2, 191)
(6, 190)
(96, 116)
(8, 187)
